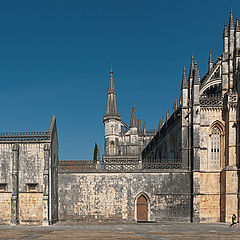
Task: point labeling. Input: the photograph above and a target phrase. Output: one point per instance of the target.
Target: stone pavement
(101, 231)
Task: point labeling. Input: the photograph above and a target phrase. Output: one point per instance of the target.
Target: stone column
(15, 187)
(46, 185)
(231, 176)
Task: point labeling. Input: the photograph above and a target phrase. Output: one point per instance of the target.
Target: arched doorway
(142, 208)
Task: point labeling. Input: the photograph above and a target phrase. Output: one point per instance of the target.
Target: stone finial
(98, 154)
(162, 121)
(159, 124)
(175, 105)
(237, 25)
(210, 61)
(111, 99)
(196, 77)
(144, 128)
(225, 30)
(191, 67)
(133, 120)
(231, 21)
(184, 79)
(167, 115)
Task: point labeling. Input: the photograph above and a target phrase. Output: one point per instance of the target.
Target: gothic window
(215, 147)
(112, 148)
(112, 128)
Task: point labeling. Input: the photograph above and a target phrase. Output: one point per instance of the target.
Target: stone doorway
(142, 208)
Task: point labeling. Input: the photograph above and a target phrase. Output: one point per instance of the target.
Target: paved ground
(130, 231)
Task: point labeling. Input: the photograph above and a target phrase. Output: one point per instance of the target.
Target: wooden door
(142, 209)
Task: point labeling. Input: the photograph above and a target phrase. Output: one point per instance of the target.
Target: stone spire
(225, 30)
(175, 105)
(133, 121)
(144, 128)
(191, 67)
(190, 78)
(184, 79)
(111, 98)
(167, 115)
(237, 25)
(139, 124)
(160, 124)
(210, 61)
(231, 21)
(162, 121)
(196, 76)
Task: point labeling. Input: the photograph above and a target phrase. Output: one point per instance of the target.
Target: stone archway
(142, 208)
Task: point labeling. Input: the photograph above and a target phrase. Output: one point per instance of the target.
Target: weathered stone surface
(113, 195)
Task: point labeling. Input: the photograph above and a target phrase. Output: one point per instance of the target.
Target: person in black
(234, 220)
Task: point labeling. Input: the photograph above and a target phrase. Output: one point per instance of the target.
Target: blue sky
(55, 58)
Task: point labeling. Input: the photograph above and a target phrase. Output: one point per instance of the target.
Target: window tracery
(215, 147)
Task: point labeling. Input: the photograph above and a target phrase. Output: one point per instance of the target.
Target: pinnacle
(111, 99)
(196, 77)
(225, 31)
(231, 22)
(160, 124)
(191, 67)
(133, 121)
(237, 25)
(184, 78)
(210, 57)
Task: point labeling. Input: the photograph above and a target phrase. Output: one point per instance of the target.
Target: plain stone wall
(113, 195)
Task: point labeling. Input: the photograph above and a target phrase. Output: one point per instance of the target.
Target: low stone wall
(102, 195)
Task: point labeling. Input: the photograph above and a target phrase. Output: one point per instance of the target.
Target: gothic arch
(143, 197)
(218, 124)
(112, 148)
(216, 146)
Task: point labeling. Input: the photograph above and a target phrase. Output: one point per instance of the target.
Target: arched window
(112, 128)
(112, 148)
(215, 147)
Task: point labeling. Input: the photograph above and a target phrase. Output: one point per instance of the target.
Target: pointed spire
(167, 115)
(160, 124)
(184, 79)
(133, 121)
(111, 99)
(225, 31)
(191, 67)
(144, 128)
(210, 61)
(196, 77)
(210, 57)
(139, 124)
(162, 121)
(175, 105)
(231, 21)
(237, 25)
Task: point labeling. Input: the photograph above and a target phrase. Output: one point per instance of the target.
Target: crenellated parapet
(24, 136)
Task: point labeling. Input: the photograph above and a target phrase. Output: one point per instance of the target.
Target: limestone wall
(30, 208)
(113, 195)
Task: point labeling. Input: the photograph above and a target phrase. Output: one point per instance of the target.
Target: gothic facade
(123, 143)
(203, 131)
(187, 171)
